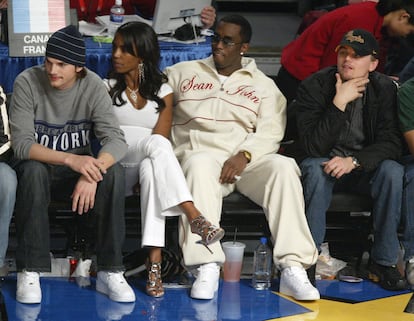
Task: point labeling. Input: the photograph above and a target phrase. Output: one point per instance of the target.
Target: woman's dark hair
(386, 6)
(141, 41)
(245, 27)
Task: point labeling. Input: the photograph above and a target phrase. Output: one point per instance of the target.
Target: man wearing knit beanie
(55, 111)
(67, 45)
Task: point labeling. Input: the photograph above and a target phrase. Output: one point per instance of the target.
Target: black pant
(36, 180)
(287, 84)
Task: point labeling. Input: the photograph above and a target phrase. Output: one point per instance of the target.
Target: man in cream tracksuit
(229, 119)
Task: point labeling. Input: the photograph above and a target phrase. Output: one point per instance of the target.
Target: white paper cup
(234, 252)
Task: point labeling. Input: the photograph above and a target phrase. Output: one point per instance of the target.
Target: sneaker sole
(287, 292)
(26, 300)
(203, 296)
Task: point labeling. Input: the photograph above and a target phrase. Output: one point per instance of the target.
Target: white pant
(273, 182)
(162, 184)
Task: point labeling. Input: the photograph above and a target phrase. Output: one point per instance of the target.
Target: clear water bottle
(116, 17)
(262, 266)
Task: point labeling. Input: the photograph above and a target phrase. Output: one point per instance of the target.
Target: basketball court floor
(76, 300)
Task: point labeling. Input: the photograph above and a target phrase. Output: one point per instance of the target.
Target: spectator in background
(406, 118)
(3, 4)
(8, 183)
(56, 110)
(347, 116)
(304, 6)
(89, 9)
(400, 61)
(229, 119)
(314, 49)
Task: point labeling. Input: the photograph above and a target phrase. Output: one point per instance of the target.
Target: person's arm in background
(3, 4)
(146, 8)
(208, 17)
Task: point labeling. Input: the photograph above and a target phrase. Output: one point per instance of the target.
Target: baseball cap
(362, 41)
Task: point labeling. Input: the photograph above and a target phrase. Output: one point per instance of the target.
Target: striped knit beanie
(67, 45)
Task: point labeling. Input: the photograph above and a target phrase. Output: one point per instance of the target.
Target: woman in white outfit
(143, 103)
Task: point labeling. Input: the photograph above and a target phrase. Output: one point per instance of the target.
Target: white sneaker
(28, 287)
(206, 283)
(294, 282)
(114, 285)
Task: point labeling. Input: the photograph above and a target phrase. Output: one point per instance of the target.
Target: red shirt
(314, 49)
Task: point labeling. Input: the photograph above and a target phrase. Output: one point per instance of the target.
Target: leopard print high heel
(154, 286)
(209, 233)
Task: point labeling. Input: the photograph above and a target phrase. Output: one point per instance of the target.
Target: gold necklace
(133, 94)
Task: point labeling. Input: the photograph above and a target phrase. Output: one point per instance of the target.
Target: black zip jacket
(319, 122)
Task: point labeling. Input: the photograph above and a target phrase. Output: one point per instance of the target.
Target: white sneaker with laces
(114, 285)
(207, 281)
(294, 282)
(28, 287)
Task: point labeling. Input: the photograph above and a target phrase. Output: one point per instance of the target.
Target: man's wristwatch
(356, 162)
(247, 155)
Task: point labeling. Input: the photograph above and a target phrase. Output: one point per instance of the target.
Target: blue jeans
(8, 185)
(36, 182)
(384, 185)
(408, 208)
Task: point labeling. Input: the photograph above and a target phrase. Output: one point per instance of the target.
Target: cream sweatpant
(163, 187)
(273, 182)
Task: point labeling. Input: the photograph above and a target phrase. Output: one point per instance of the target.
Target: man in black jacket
(348, 130)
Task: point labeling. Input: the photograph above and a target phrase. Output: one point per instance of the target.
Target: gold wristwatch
(247, 155)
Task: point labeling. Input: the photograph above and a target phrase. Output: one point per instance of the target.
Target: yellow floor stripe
(387, 309)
